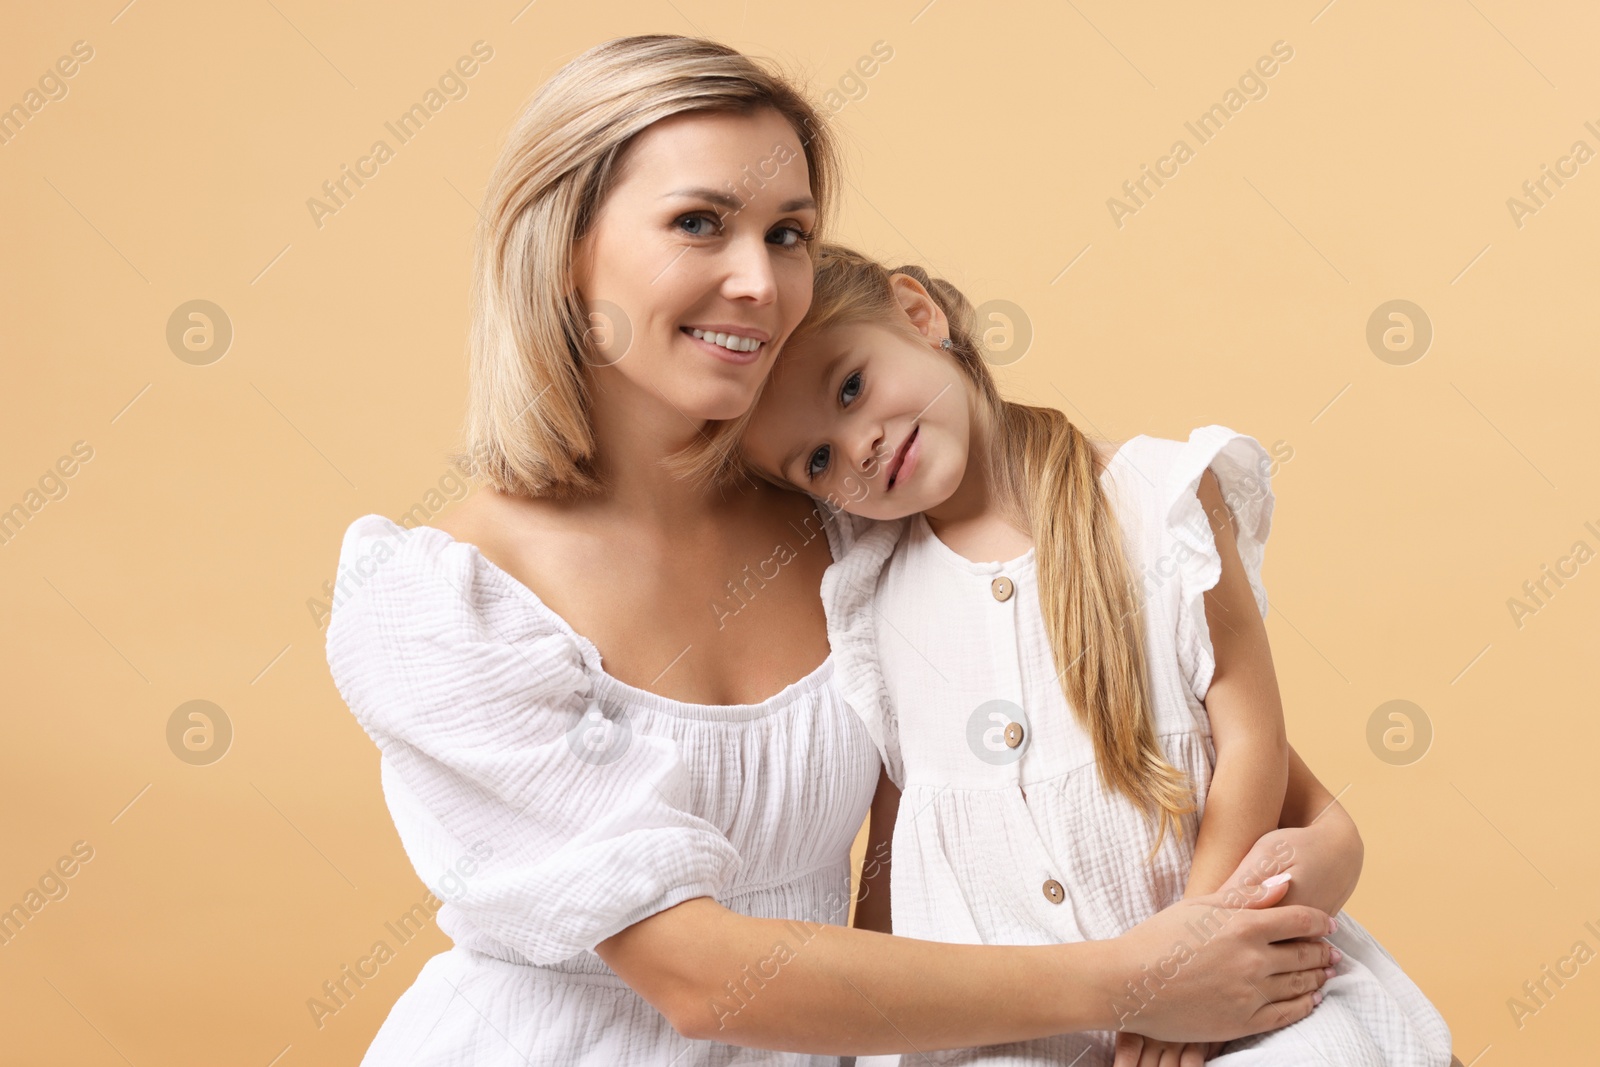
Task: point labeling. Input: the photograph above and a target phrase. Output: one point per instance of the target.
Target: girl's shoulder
(1161, 476)
(1179, 560)
(862, 550)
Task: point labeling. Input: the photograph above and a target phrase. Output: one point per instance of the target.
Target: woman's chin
(716, 405)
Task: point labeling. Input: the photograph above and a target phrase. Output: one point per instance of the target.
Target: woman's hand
(1222, 966)
(1134, 1050)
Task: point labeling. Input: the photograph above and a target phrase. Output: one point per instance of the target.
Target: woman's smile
(733, 344)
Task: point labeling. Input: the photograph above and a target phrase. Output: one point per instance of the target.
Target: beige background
(179, 563)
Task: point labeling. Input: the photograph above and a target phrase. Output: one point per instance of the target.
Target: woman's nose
(750, 273)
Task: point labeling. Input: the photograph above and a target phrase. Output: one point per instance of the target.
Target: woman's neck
(634, 431)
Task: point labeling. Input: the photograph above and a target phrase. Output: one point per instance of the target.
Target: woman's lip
(908, 461)
(725, 354)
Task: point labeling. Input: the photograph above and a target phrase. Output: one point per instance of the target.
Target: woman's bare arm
(872, 898)
(1211, 968)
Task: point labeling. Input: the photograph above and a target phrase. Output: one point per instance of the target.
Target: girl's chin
(890, 510)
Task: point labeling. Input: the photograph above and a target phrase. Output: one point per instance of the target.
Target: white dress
(570, 805)
(940, 663)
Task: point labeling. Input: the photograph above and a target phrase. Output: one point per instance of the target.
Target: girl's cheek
(854, 490)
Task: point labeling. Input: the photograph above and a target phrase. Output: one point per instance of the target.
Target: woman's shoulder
(419, 614)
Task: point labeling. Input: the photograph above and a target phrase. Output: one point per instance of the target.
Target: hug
(1092, 840)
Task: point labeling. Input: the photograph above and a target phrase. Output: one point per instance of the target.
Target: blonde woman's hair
(528, 429)
(1044, 471)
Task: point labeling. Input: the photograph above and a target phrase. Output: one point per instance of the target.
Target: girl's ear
(919, 307)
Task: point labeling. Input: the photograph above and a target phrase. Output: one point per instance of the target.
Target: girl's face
(868, 416)
(701, 236)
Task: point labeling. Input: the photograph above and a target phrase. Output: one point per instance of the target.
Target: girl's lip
(727, 355)
(908, 461)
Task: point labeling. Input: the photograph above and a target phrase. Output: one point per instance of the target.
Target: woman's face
(874, 418)
(700, 237)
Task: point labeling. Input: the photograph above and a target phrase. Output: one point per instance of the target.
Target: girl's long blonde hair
(527, 429)
(1044, 471)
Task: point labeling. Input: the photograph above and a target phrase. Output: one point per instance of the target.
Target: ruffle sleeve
(479, 698)
(1243, 469)
(848, 587)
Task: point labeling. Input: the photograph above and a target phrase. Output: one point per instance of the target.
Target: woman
(646, 852)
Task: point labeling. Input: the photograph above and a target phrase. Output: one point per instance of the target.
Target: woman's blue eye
(801, 237)
(812, 470)
(701, 217)
(845, 388)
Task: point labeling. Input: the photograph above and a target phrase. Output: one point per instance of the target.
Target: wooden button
(1002, 588)
(1013, 734)
(1053, 891)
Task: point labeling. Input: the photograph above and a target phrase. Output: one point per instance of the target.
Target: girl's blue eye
(849, 389)
(846, 389)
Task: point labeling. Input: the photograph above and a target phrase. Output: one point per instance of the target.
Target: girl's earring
(944, 342)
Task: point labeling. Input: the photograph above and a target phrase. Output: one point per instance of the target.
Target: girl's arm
(872, 898)
(1251, 775)
(1212, 968)
(1316, 839)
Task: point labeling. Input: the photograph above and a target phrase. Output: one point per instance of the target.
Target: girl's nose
(870, 450)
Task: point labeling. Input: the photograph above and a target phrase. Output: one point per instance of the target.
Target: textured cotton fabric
(938, 667)
(596, 805)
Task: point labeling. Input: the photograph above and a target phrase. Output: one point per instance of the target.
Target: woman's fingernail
(1329, 971)
(1333, 924)
(1337, 955)
(1277, 879)
(1316, 998)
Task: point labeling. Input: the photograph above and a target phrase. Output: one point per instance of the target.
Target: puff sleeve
(479, 698)
(1243, 469)
(848, 587)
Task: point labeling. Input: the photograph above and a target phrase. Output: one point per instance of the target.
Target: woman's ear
(919, 306)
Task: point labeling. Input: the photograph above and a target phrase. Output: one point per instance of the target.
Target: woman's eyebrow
(733, 203)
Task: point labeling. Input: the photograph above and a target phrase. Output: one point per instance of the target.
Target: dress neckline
(628, 694)
(924, 534)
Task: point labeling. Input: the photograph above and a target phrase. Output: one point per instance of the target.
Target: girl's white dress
(1018, 843)
(549, 805)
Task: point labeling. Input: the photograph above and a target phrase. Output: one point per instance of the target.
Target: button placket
(1003, 589)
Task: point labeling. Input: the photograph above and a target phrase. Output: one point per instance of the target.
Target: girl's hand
(1134, 1050)
(1220, 966)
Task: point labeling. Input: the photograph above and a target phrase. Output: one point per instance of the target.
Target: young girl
(1051, 726)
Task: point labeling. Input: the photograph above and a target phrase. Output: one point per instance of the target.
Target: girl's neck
(973, 520)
